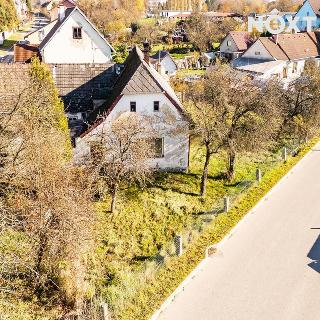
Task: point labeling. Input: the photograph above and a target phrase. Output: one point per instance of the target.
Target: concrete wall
(176, 144)
(278, 71)
(64, 49)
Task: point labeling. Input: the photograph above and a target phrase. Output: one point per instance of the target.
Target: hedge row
(168, 278)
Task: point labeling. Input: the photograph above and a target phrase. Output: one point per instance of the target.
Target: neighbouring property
(141, 89)
(235, 44)
(164, 63)
(310, 8)
(282, 57)
(71, 38)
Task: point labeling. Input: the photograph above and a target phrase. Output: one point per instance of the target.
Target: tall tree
(120, 154)
(8, 15)
(300, 104)
(230, 113)
(43, 201)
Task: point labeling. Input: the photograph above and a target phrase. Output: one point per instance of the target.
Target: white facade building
(282, 57)
(74, 39)
(141, 89)
(163, 63)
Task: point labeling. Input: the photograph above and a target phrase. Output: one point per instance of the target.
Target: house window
(156, 106)
(133, 106)
(229, 43)
(257, 53)
(77, 33)
(295, 67)
(159, 147)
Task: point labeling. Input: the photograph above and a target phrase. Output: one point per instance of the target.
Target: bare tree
(299, 103)
(203, 31)
(230, 113)
(43, 202)
(120, 154)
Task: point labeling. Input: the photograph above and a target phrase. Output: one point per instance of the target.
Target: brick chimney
(146, 51)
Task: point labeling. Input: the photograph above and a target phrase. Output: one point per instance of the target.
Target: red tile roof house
(282, 56)
(235, 44)
(141, 89)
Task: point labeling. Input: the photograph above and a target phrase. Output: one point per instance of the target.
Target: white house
(281, 56)
(74, 39)
(141, 89)
(235, 44)
(163, 63)
(37, 36)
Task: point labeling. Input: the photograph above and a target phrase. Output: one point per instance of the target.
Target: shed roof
(24, 52)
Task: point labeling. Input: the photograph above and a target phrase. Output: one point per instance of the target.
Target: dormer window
(77, 33)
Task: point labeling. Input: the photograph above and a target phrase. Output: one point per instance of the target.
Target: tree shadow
(176, 183)
(314, 254)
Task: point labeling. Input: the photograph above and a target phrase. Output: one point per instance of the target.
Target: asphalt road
(270, 268)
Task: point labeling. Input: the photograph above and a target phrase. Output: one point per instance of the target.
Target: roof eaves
(45, 41)
(99, 33)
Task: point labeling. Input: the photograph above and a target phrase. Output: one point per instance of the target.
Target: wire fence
(183, 240)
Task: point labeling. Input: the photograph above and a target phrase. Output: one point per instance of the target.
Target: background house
(164, 63)
(37, 36)
(310, 8)
(281, 56)
(74, 39)
(235, 44)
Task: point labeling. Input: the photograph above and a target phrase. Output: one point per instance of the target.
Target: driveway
(270, 267)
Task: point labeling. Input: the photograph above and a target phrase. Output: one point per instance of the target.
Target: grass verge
(149, 298)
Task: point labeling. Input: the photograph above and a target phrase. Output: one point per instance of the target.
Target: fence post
(178, 245)
(284, 154)
(258, 175)
(105, 311)
(226, 204)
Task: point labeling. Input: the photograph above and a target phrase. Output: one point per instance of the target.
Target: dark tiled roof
(24, 52)
(137, 77)
(55, 28)
(67, 4)
(161, 54)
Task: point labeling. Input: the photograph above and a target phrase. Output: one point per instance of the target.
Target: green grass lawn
(131, 242)
(147, 220)
(177, 51)
(183, 73)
